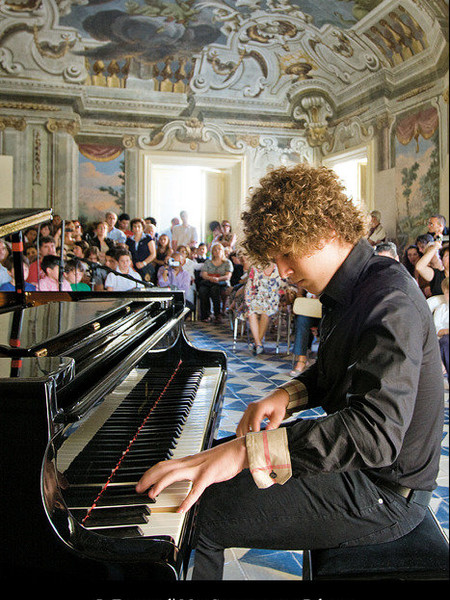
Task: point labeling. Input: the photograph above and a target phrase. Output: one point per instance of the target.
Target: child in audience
(116, 283)
(74, 273)
(10, 286)
(50, 283)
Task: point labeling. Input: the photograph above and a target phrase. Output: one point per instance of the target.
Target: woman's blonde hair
(295, 210)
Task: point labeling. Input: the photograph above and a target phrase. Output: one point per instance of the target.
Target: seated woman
(262, 298)
(174, 276)
(227, 238)
(142, 249)
(100, 241)
(303, 335)
(215, 273)
(434, 275)
(116, 283)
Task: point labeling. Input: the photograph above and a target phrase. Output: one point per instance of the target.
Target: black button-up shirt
(378, 376)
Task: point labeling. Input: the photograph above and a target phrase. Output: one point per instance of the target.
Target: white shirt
(122, 284)
(116, 235)
(440, 317)
(184, 235)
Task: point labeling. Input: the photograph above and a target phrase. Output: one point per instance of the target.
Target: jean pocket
(387, 533)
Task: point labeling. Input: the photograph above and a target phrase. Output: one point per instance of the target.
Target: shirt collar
(340, 288)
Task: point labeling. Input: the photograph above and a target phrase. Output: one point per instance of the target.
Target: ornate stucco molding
(17, 123)
(193, 133)
(70, 126)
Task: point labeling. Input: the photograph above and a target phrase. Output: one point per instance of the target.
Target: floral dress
(262, 292)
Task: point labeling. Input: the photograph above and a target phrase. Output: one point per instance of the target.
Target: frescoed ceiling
(292, 60)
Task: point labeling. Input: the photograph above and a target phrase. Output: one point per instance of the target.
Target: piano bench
(422, 554)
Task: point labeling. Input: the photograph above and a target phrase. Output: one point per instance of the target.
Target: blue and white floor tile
(248, 379)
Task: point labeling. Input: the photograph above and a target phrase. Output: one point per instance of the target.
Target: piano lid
(27, 328)
(13, 220)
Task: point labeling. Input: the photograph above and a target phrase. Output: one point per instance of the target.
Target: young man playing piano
(363, 473)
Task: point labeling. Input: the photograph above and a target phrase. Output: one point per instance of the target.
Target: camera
(174, 263)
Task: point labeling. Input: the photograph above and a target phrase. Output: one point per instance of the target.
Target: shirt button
(380, 500)
(273, 475)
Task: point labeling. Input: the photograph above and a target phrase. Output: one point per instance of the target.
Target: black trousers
(209, 291)
(319, 511)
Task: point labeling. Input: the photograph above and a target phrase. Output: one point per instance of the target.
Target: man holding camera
(172, 275)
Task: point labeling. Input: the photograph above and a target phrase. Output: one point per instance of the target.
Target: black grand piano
(95, 387)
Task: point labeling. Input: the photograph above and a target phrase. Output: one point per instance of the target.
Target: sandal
(259, 349)
(297, 370)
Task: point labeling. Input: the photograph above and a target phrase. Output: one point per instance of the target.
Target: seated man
(364, 472)
(174, 276)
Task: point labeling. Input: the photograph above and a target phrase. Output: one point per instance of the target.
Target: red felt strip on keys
(141, 426)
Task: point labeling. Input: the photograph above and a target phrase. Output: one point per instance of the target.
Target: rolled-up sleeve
(268, 457)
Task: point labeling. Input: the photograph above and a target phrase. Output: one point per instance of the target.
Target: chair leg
(278, 334)
(289, 323)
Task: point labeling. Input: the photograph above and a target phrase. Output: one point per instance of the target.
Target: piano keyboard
(119, 511)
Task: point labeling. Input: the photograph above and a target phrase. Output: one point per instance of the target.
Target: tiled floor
(249, 378)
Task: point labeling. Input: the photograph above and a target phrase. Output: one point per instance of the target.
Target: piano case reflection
(95, 388)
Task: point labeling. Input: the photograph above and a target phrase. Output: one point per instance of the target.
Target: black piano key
(113, 495)
(108, 517)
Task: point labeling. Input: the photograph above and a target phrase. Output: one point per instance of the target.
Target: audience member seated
(215, 230)
(142, 249)
(100, 240)
(97, 273)
(74, 272)
(376, 233)
(79, 249)
(411, 256)
(116, 283)
(262, 298)
(10, 286)
(215, 273)
(434, 276)
(436, 226)
(78, 234)
(441, 321)
(163, 252)
(113, 233)
(173, 275)
(30, 252)
(4, 253)
(46, 248)
(46, 230)
(50, 282)
(123, 223)
(30, 236)
(388, 249)
(227, 238)
(111, 258)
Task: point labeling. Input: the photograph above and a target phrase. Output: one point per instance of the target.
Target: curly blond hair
(295, 210)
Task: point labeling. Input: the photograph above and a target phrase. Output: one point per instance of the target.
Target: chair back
(308, 307)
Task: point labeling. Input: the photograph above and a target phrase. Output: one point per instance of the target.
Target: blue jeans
(302, 333)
